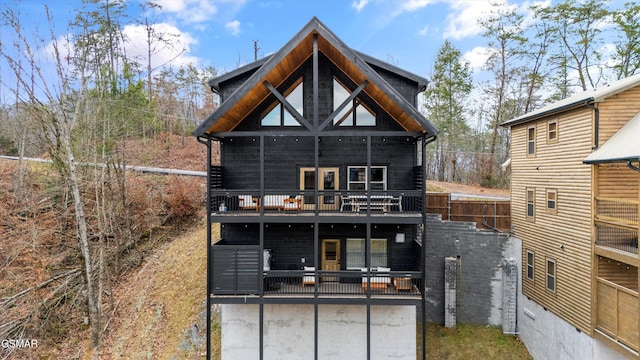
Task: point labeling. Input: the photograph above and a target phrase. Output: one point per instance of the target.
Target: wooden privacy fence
(487, 214)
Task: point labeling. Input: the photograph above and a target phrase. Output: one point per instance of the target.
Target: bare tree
(577, 28)
(56, 103)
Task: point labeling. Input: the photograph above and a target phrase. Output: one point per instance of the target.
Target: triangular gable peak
(275, 70)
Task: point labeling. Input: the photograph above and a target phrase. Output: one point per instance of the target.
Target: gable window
(278, 115)
(552, 202)
(551, 275)
(357, 178)
(530, 264)
(356, 253)
(531, 141)
(552, 131)
(354, 114)
(531, 203)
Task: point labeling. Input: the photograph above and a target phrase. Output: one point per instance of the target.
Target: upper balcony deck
(616, 221)
(404, 206)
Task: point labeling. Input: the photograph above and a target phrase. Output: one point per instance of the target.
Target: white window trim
(533, 203)
(366, 177)
(529, 141)
(554, 209)
(362, 261)
(281, 112)
(531, 265)
(553, 276)
(557, 133)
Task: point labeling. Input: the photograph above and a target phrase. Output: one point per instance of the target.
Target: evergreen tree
(451, 83)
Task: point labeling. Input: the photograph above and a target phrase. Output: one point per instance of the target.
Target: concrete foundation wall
(342, 331)
(547, 336)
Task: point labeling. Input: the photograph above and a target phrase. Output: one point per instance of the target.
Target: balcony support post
(368, 264)
(209, 252)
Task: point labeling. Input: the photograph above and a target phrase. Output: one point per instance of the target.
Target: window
(355, 114)
(357, 178)
(551, 275)
(530, 264)
(356, 253)
(278, 115)
(531, 141)
(531, 203)
(552, 203)
(552, 131)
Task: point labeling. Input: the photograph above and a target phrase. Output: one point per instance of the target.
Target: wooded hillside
(42, 294)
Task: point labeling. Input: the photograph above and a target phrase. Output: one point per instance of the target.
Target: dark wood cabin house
(320, 197)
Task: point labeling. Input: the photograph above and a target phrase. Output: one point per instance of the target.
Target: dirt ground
(472, 189)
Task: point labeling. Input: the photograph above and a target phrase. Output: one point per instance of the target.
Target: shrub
(183, 198)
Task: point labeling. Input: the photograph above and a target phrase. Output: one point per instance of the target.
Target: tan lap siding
(617, 111)
(617, 181)
(566, 235)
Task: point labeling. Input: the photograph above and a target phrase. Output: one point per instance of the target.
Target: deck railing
(342, 283)
(616, 223)
(618, 211)
(235, 202)
(617, 313)
(236, 271)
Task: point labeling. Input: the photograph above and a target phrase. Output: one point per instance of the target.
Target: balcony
(616, 223)
(236, 273)
(229, 203)
(617, 312)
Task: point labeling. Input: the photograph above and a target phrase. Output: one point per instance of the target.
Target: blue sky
(221, 33)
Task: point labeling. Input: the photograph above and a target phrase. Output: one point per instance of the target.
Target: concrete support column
(509, 295)
(450, 275)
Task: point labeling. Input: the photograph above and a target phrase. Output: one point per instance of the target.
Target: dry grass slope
(160, 302)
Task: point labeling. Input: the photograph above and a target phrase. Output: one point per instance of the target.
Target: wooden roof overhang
(294, 54)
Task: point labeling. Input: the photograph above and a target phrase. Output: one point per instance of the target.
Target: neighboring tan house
(320, 194)
(574, 205)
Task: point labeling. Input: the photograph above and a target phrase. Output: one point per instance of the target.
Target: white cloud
(413, 5)
(233, 27)
(176, 52)
(359, 4)
(477, 58)
(424, 31)
(193, 11)
(409, 6)
(463, 21)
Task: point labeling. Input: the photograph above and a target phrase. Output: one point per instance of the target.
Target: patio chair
(379, 278)
(309, 277)
(247, 202)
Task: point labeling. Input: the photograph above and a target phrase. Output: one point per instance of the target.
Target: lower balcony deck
(283, 286)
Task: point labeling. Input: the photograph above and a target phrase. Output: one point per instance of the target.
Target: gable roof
(577, 100)
(623, 146)
(420, 81)
(276, 68)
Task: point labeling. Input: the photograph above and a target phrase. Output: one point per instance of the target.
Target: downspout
(596, 123)
(207, 142)
(632, 167)
(423, 244)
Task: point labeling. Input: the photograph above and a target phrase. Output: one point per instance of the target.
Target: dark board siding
(290, 243)
(284, 156)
